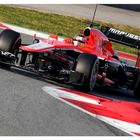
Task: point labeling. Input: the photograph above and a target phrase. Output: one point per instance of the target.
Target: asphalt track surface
(25, 109)
(105, 13)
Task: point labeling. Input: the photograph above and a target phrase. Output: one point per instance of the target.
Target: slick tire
(137, 88)
(88, 65)
(9, 41)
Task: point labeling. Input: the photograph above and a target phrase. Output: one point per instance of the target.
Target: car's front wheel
(10, 41)
(88, 65)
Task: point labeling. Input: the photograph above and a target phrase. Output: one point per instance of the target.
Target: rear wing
(121, 37)
(125, 38)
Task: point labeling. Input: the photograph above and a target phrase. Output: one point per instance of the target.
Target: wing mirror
(104, 43)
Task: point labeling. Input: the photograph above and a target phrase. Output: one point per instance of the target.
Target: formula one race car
(83, 61)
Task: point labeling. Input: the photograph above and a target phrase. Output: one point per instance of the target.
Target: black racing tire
(10, 41)
(137, 88)
(88, 65)
(115, 57)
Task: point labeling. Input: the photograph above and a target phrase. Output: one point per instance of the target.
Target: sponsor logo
(129, 35)
(7, 54)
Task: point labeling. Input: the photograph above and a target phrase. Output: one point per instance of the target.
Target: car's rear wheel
(10, 41)
(137, 88)
(88, 65)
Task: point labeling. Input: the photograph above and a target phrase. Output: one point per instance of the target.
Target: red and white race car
(83, 61)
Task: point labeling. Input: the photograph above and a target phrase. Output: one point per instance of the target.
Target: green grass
(54, 23)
